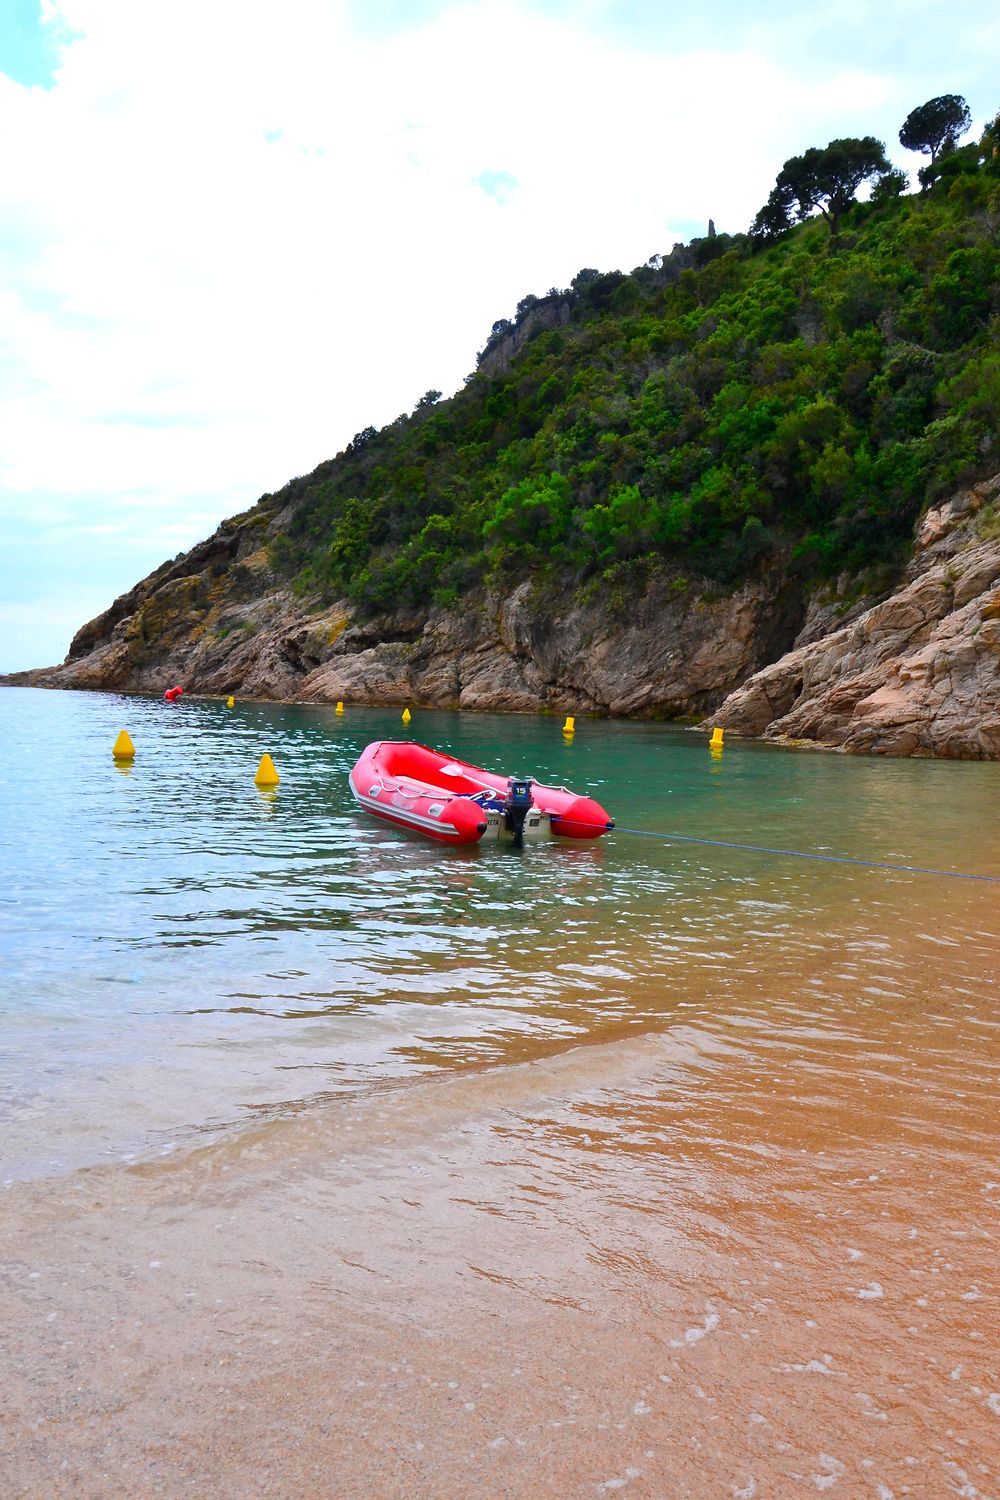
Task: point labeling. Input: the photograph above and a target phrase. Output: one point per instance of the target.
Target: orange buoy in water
(172, 694)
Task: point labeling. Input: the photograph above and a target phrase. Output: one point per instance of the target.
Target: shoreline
(694, 724)
(745, 1248)
(113, 1113)
(908, 671)
(565, 1284)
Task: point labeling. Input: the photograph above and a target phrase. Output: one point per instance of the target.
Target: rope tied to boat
(832, 859)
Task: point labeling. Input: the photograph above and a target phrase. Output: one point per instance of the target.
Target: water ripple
(169, 928)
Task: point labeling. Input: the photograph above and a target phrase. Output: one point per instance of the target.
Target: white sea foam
(811, 1367)
(694, 1335)
(620, 1482)
(834, 1471)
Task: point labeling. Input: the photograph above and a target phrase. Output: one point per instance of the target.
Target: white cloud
(252, 231)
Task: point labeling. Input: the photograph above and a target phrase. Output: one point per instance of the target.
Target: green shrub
(725, 408)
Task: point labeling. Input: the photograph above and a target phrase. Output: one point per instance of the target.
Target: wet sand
(755, 1259)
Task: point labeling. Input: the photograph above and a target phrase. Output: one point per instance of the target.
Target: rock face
(917, 674)
(671, 657)
(214, 621)
(549, 312)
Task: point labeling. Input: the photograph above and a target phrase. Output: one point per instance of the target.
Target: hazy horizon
(228, 246)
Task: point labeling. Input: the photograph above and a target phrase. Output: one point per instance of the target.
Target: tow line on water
(830, 859)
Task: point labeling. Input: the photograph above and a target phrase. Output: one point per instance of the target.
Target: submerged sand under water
(751, 1253)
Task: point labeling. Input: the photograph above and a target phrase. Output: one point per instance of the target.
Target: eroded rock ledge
(915, 673)
(674, 654)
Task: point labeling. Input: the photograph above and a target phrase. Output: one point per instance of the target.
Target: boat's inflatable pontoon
(419, 788)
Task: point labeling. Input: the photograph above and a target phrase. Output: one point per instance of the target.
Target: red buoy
(172, 693)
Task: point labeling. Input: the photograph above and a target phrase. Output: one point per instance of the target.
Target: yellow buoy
(569, 725)
(266, 774)
(123, 748)
(407, 716)
(715, 742)
(230, 701)
(340, 707)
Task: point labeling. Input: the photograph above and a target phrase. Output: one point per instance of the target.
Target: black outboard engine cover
(516, 807)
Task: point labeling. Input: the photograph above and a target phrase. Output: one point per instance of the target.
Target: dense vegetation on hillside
(795, 393)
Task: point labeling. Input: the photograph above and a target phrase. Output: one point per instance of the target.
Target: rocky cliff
(217, 621)
(915, 673)
(918, 673)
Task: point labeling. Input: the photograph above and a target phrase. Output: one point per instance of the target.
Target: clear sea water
(182, 953)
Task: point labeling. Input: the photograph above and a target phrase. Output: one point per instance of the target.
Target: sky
(233, 232)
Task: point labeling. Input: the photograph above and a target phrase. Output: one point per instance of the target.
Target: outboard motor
(516, 806)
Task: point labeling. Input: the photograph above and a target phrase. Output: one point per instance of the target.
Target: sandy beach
(332, 1168)
(499, 887)
(641, 1268)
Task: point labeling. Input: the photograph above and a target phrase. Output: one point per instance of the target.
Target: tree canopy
(824, 178)
(936, 126)
(713, 412)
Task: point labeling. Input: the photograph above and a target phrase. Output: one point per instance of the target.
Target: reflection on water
(741, 1243)
(751, 1256)
(183, 949)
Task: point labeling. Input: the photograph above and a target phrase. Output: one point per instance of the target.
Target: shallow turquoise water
(180, 952)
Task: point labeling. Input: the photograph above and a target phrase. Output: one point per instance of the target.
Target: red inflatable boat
(422, 789)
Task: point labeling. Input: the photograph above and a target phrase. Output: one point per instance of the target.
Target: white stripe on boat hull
(537, 826)
(394, 814)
